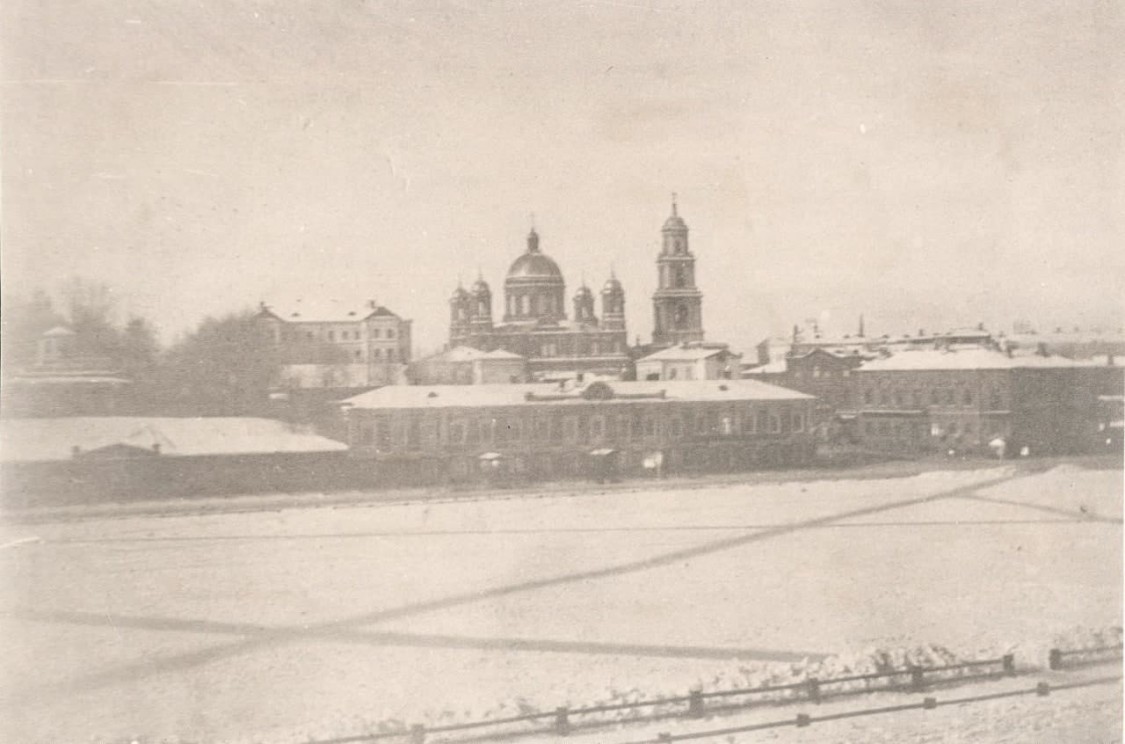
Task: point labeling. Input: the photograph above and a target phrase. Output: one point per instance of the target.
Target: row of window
(945, 396)
(343, 335)
(937, 430)
(818, 373)
(386, 433)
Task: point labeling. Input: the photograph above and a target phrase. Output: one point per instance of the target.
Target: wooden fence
(697, 703)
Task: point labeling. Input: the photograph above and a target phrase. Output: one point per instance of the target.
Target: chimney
(156, 447)
(372, 305)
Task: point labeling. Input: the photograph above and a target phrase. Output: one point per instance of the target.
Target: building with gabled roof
(332, 345)
(687, 361)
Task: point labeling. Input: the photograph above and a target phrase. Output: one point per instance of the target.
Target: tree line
(224, 366)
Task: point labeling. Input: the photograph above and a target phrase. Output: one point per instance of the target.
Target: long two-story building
(547, 431)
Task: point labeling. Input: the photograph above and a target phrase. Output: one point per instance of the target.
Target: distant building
(691, 362)
(465, 365)
(86, 460)
(338, 347)
(535, 324)
(962, 400)
(825, 373)
(65, 382)
(542, 431)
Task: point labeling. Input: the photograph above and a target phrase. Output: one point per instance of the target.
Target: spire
(674, 212)
(533, 241)
(861, 325)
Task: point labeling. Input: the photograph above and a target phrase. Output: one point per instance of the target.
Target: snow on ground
(284, 625)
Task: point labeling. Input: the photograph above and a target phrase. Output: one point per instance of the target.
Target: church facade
(534, 322)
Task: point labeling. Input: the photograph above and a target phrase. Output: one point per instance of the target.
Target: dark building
(544, 431)
(964, 400)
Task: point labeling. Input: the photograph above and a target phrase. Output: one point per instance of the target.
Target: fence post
(562, 721)
(1054, 659)
(917, 678)
(803, 720)
(417, 734)
(813, 685)
(1009, 665)
(695, 704)
(929, 703)
(1042, 689)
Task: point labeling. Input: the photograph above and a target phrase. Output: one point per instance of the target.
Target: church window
(374, 333)
(672, 373)
(390, 355)
(390, 333)
(798, 421)
(525, 305)
(681, 316)
(680, 277)
(331, 336)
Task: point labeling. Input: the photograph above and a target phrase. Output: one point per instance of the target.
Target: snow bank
(1029, 656)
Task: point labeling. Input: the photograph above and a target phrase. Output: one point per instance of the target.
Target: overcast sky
(928, 164)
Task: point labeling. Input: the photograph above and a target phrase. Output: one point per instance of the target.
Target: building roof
(469, 354)
(59, 331)
(328, 311)
(683, 353)
(777, 367)
(49, 439)
(964, 359)
(470, 396)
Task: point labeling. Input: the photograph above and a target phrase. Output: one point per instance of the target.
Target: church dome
(480, 286)
(674, 222)
(534, 266)
(612, 285)
(459, 294)
(583, 292)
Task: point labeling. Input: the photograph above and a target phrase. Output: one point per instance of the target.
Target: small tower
(677, 303)
(481, 317)
(460, 313)
(584, 306)
(613, 304)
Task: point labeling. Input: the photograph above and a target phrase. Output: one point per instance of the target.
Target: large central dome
(534, 265)
(535, 289)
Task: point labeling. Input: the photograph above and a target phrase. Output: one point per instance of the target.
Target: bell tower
(677, 303)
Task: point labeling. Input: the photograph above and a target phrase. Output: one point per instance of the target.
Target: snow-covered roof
(469, 354)
(502, 354)
(773, 368)
(328, 311)
(685, 354)
(965, 359)
(59, 331)
(46, 439)
(469, 396)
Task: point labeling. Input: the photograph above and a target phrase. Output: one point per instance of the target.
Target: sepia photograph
(540, 371)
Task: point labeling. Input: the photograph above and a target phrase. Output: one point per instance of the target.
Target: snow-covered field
(284, 625)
